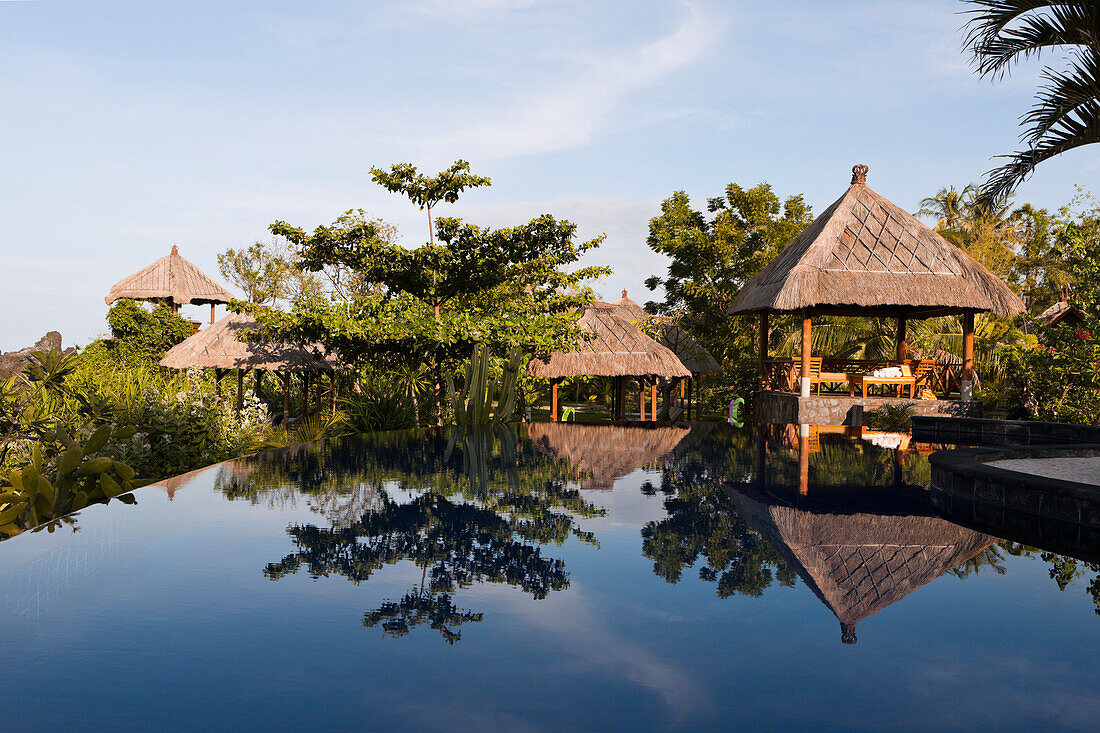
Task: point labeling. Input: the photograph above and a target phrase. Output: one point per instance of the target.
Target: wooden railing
(783, 374)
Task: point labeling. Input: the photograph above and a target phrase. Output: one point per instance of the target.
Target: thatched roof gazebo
(697, 359)
(171, 280)
(865, 256)
(618, 349)
(220, 348)
(1062, 311)
(605, 454)
(859, 563)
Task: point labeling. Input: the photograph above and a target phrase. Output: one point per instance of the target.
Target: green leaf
(12, 512)
(98, 440)
(70, 460)
(96, 465)
(109, 485)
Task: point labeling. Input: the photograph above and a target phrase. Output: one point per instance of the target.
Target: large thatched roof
(865, 253)
(171, 279)
(604, 453)
(860, 563)
(619, 349)
(687, 350)
(217, 347)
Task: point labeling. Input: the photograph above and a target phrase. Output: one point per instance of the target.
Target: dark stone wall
(981, 432)
(787, 408)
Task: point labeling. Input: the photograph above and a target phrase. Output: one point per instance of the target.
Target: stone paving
(1083, 470)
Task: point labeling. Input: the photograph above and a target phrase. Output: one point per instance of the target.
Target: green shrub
(378, 408)
(891, 417)
(144, 335)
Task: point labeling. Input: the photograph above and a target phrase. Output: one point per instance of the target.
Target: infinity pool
(548, 577)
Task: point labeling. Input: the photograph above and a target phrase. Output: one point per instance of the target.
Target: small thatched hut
(859, 563)
(618, 349)
(219, 348)
(171, 280)
(1060, 312)
(865, 256)
(605, 454)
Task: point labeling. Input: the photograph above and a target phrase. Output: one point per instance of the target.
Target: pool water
(548, 577)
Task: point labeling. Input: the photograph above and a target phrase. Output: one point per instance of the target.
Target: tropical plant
(143, 335)
(1066, 113)
(891, 417)
(377, 407)
(482, 401)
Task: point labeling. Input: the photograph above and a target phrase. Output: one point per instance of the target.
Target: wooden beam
(620, 406)
(899, 340)
(553, 400)
(805, 381)
(211, 313)
(803, 460)
(653, 401)
(762, 356)
(966, 381)
(691, 394)
(641, 400)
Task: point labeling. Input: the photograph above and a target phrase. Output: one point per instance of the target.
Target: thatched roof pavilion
(171, 280)
(697, 359)
(1059, 312)
(619, 349)
(218, 347)
(858, 564)
(605, 453)
(866, 256)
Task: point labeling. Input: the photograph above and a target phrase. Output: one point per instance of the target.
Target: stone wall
(979, 432)
(786, 408)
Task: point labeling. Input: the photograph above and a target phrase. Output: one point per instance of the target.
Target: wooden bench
(907, 378)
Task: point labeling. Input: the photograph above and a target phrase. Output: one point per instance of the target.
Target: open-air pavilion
(171, 280)
(690, 353)
(219, 348)
(866, 257)
(618, 349)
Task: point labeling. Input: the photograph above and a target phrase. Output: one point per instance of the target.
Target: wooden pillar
(259, 384)
(683, 390)
(286, 397)
(553, 400)
(902, 346)
(763, 349)
(653, 402)
(805, 374)
(641, 400)
(320, 388)
(211, 313)
(621, 401)
(240, 389)
(305, 394)
(803, 460)
(966, 380)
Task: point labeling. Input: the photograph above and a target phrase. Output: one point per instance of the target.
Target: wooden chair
(925, 372)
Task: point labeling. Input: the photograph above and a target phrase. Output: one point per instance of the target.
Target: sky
(130, 126)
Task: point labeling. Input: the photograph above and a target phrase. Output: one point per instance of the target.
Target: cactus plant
(475, 404)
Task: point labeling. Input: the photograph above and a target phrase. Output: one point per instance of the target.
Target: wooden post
(286, 397)
(259, 384)
(305, 394)
(211, 313)
(620, 405)
(903, 347)
(553, 400)
(966, 380)
(320, 388)
(653, 402)
(240, 389)
(803, 460)
(641, 400)
(683, 390)
(691, 394)
(763, 346)
(805, 382)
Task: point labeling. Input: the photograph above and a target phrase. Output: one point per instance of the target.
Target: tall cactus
(474, 405)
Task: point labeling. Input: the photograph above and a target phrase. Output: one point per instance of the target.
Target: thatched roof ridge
(605, 453)
(171, 279)
(865, 252)
(217, 347)
(697, 359)
(619, 349)
(860, 563)
(1060, 311)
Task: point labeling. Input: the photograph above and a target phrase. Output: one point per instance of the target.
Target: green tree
(711, 260)
(1066, 113)
(144, 335)
(259, 270)
(498, 287)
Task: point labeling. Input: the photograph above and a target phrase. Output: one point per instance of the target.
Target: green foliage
(891, 417)
(260, 271)
(378, 407)
(140, 335)
(427, 191)
(482, 401)
(309, 429)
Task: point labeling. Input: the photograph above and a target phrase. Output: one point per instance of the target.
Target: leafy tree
(144, 335)
(713, 257)
(427, 191)
(430, 305)
(1066, 113)
(260, 271)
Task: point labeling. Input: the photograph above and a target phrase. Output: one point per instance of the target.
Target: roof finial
(175, 250)
(859, 174)
(624, 292)
(848, 631)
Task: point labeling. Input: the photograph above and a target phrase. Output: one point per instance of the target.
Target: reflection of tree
(1064, 569)
(478, 517)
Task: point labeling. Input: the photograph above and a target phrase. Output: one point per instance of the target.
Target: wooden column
(900, 339)
(803, 460)
(805, 373)
(211, 313)
(763, 349)
(553, 400)
(240, 389)
(966, 380)
(641, 400)
(259, 383)
(305, 394)
(286, 397)
(653, 402)
(691, 394)
(620, 403)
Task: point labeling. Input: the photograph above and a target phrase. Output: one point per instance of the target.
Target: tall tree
(1066, 113)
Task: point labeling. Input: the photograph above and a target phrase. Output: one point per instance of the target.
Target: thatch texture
(604, 453)
(619, 349)
(172, 280)
(858, 564)
(864, 252)
(217, 347)
(697, 359)
(1060, 311)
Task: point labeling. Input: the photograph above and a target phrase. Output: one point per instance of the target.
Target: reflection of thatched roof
(619, 349)
(687, 349)
(866, 252)
(171, 279)
(217, 347)
(858, 564)
(1060, 311)
(603, 451)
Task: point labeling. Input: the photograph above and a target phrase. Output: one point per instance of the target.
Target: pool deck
(1082, 470)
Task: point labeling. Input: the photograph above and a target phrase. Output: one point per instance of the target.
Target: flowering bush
(1059, 378)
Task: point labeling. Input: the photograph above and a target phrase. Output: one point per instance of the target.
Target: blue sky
(132, 126)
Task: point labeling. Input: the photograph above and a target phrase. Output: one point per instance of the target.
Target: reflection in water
(485, 502)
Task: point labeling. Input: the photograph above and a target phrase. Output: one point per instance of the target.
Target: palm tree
(1066, 113)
